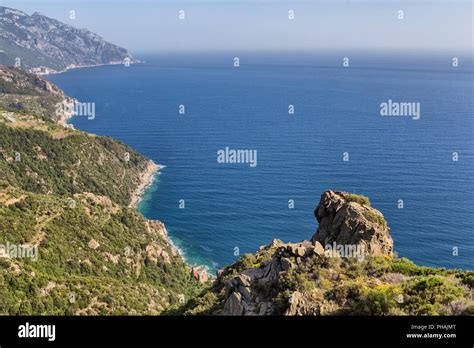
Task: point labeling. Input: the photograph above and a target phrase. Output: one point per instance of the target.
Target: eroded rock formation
(348, 219)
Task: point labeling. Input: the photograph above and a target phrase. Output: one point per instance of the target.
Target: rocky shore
(199, 272)
(65, 111)
(145, 181)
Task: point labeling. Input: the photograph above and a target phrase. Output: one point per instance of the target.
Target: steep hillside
(40, 41)
(353, 272)
(46, 158)
(69, 243)
(25, 93)
(39, 155)
(93, 257)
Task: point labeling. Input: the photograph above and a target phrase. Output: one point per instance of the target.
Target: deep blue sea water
(337, 110)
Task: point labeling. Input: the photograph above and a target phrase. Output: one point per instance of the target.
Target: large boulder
(233, 305)
(348, 219)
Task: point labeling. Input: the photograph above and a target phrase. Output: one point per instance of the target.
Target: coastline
(200, 272)
(49, 71)
(145, 181)
(65, 111)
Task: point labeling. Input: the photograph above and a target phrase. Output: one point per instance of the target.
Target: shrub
(371, 216)
(468, 279)
(378, 301)
(362, 200)
(343, 293)
(296, 281)
(407, 267)
(378, 265)
(427, 295)
(469, 311)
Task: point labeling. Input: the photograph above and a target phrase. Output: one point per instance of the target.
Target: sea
(311, 122)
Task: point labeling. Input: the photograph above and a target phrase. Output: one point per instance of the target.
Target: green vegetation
(379, 285)
(67, 192)
(24, 93)
(71, 164)
(120, 272)
(431, 295)
(362, 200)
(371, 216)
(407, 267)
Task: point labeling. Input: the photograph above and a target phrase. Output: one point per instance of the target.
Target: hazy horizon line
(371, 50)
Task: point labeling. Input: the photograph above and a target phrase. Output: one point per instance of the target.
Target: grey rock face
(346, 222)
(40, 41)
(233, 305)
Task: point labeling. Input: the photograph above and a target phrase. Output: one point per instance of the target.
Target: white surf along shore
(146, 179)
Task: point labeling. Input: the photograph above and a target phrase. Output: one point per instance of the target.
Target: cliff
(25, 93)
(348, 268)
(40, 41)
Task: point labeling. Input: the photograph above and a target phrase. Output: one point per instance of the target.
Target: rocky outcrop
(40, 41)
(156, 253)
(313, 278)
(93, 244)
(344, 220)
(292, 278)
(348, 219)
(243, 292)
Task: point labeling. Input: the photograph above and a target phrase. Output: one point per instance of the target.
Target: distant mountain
(40, 41)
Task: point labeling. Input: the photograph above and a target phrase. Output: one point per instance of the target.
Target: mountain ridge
(46, 45)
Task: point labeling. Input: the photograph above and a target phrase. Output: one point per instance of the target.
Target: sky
(258, 25)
